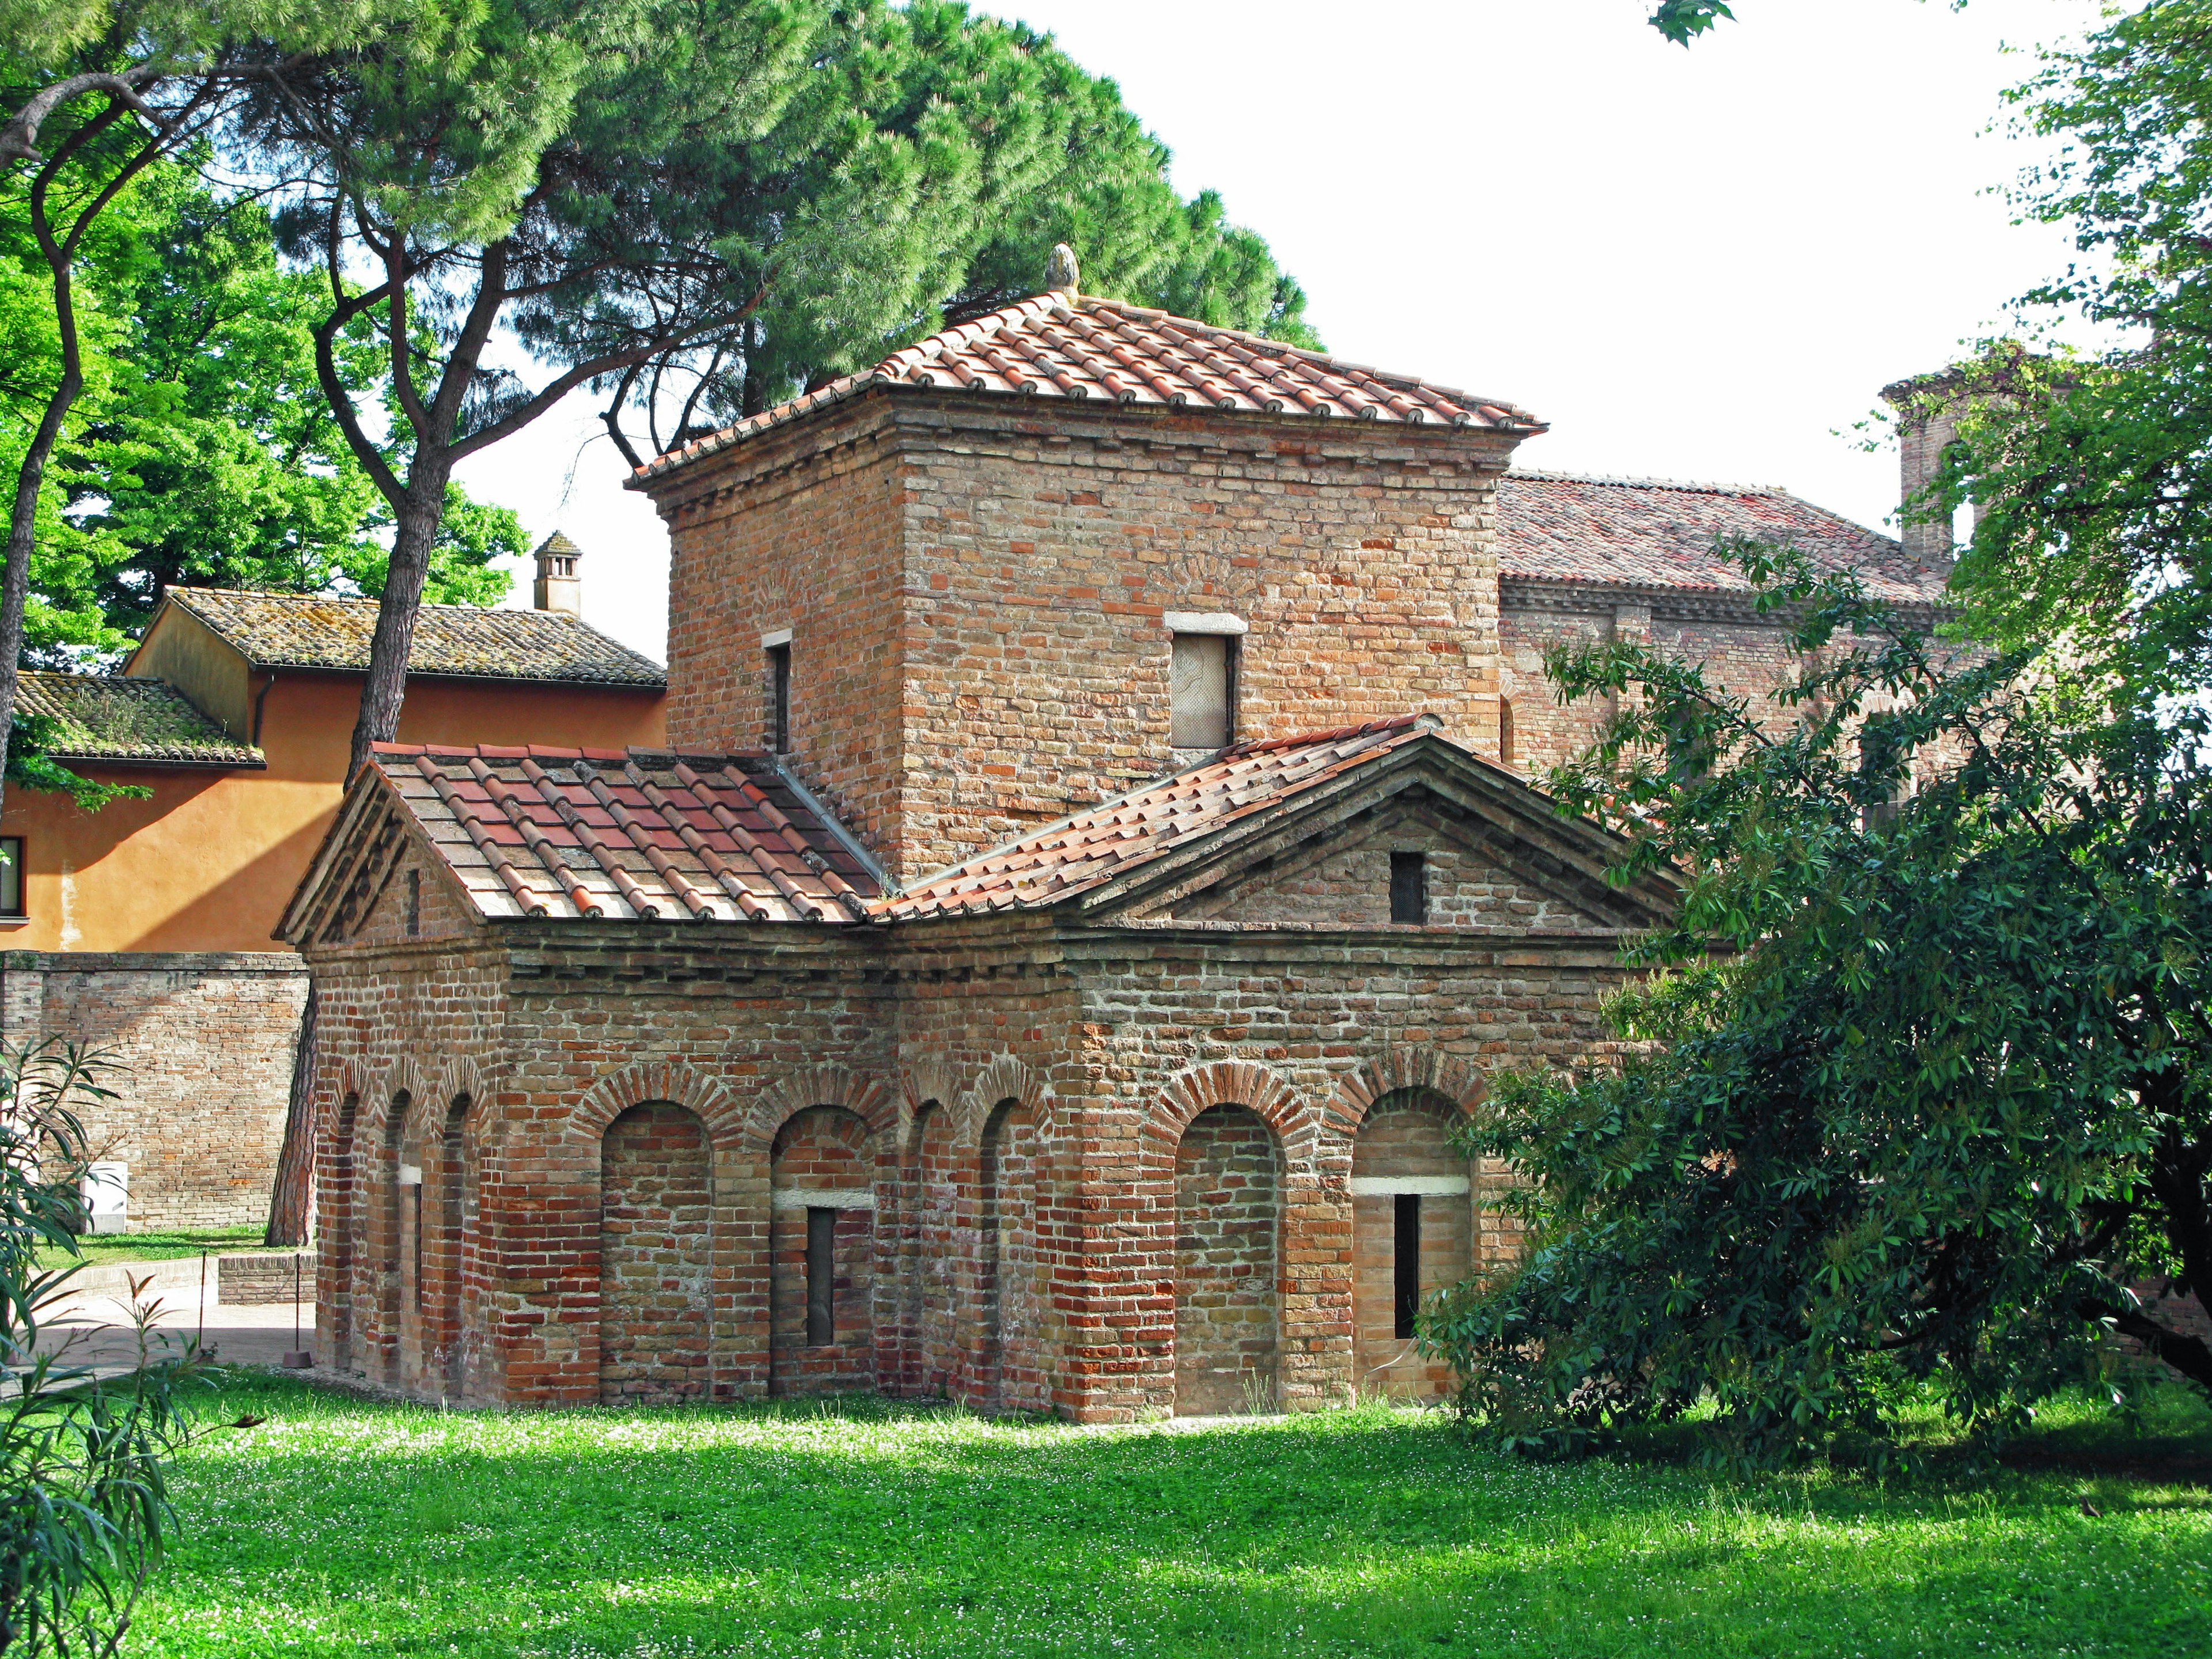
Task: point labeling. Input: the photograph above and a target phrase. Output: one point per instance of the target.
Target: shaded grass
(348, 1527)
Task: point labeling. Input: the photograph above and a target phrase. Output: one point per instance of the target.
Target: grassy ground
(101, 1248)
(342, 1527)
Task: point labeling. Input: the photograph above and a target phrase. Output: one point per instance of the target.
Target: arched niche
(656, 1251)
(1228, 1215)
(1413, 1216)
(822, 1243)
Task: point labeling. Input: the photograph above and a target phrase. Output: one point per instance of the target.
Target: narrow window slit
(1409, 887)
(1406, 1267)
(821, 1276)
(779, 676)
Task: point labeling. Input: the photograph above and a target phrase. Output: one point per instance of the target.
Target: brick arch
(1223, 1083)
(406, 1077)
(1003, 1079)
(1430, 1070)
(865, 1097)
(464, 1075)
(672, 1080)
(928, 1077)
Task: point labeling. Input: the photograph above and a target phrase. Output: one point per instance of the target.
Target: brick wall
(1011, 1092)
(655, 1252)
(1228, 1215)
(801, 531)
(1349, 886)
(822, 1154)
(1013, 611)
(201, 1047)
(1405, 1147)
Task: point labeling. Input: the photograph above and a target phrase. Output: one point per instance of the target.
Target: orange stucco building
(146, 926)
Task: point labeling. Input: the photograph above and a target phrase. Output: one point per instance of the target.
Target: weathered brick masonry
(976, 1039)
(199, 1047)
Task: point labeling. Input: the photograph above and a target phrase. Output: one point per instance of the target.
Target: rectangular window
(821, 1277)
(1406, 1266)
(1202, 691)
(11, 878)
(779, 694)
(414, 904)
(1506, 744)
(1409, 887)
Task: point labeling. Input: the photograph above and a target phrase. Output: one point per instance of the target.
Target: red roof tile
(588, 832)
(1078, 347)
(1654, 532)
(1094, 847)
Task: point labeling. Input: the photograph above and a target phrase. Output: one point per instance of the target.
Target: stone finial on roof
(1061, 274)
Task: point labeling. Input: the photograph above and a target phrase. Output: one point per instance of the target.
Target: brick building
(145, 928)
(1086, 879)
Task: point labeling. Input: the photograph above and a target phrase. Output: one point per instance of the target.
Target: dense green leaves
(2092, 473)
(920, 176)
(1923, 1090)
(202, 451)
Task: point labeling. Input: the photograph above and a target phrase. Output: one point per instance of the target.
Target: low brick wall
(248, 1281)
(202, 1043)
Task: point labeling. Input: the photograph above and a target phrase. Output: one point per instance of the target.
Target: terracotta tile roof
(628, 836)
(1094, 847)
(464, 641)
(108, 718)
(1078, 347)
(1654, 532)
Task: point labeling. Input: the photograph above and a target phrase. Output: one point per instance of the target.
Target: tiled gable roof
(462, 641)
(628, 836)
(1657, 533)
(1078, 347)
(1116, 836)
(102, 717)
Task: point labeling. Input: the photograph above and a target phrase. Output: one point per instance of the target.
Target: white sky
(1694, 264)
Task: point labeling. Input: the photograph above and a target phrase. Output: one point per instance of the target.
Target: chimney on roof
(558, 587)
(1061, 273)
(1927, 426)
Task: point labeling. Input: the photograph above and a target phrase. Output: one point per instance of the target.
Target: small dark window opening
(821, 1277)
(414, 902)
(1406, 1267)
(779, 679)
(414, 1221)
(11, 878)
(1409, 887)
(1506, 750)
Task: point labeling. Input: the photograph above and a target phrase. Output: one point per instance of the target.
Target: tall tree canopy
(2092, 472)
(111, 88)
(202, 451)
(1005, 146)
(697, 205)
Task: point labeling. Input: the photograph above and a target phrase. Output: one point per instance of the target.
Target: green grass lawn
(341, 1527)
(101, 1248)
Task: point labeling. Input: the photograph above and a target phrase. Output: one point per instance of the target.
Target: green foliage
(344, 1526)
(202, 452)
(920, 175)
(84, 1501)
(1680, 21)
(31, 737)
(1928, 1086)
(2092, 472)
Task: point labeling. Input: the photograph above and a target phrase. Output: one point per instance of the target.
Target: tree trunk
(23, 522)
(418, 513)
(292, 1200)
